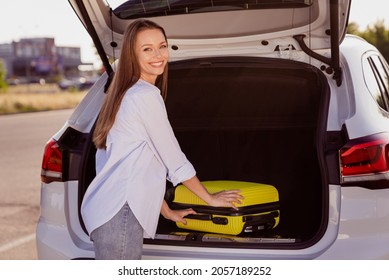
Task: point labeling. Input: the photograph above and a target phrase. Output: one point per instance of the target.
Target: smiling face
(152, 53)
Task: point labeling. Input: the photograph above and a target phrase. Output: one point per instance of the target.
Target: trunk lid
(234, 27)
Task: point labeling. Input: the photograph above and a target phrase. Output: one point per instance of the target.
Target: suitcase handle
(205, 217)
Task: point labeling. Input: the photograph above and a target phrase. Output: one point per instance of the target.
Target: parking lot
(22, 140)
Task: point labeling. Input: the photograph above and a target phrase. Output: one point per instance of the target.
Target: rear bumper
(357, 230)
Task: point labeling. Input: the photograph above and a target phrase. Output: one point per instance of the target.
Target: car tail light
(365, 159)
(52, 163)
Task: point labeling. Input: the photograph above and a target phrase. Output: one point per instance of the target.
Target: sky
(55, 18)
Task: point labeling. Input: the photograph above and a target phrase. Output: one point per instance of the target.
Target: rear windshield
(154, 8)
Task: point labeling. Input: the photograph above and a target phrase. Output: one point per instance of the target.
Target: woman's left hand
(175, 215)
(179, 215)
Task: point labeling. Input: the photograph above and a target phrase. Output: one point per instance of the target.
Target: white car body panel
(364, 225)
(357, 124)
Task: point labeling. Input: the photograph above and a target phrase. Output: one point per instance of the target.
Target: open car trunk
(255, 120)
(252, 120)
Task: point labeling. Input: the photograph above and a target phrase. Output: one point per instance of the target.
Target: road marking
(17, 242)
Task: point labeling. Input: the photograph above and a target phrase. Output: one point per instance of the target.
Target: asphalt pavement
(22, 141)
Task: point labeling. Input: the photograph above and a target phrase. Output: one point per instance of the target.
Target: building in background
(37, 59)
(7, 54)
(69, 60)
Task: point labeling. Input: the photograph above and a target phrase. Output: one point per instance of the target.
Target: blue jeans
(121, 238)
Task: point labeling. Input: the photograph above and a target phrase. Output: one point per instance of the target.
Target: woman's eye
(163, 46)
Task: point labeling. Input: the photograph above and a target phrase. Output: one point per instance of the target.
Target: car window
(376, 75)
(382, 71)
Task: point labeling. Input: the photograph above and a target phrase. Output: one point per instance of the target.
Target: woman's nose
(158, 53)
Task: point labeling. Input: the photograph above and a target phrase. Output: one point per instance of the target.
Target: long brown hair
(127, 74)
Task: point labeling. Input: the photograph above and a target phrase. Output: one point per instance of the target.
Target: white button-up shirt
(141, 153)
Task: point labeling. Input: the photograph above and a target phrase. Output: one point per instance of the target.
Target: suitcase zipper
(228, 211)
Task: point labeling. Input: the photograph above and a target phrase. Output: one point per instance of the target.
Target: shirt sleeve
(153, 113)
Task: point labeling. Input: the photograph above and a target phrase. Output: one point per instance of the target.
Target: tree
(376, 34)
(3, 75)
(353, 28)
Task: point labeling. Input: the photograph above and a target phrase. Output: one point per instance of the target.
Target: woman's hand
(220, 199)
(175, 215)
(179, 215)
(228, 198)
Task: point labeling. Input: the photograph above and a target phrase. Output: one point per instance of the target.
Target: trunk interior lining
(258, 124)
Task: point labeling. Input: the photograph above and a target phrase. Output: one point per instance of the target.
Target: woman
(137, 151)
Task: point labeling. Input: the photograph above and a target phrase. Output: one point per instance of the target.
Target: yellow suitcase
(259, 209)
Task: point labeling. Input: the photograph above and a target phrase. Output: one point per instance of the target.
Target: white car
(262, 91)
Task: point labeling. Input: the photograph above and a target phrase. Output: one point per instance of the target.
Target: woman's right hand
(230, 198)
